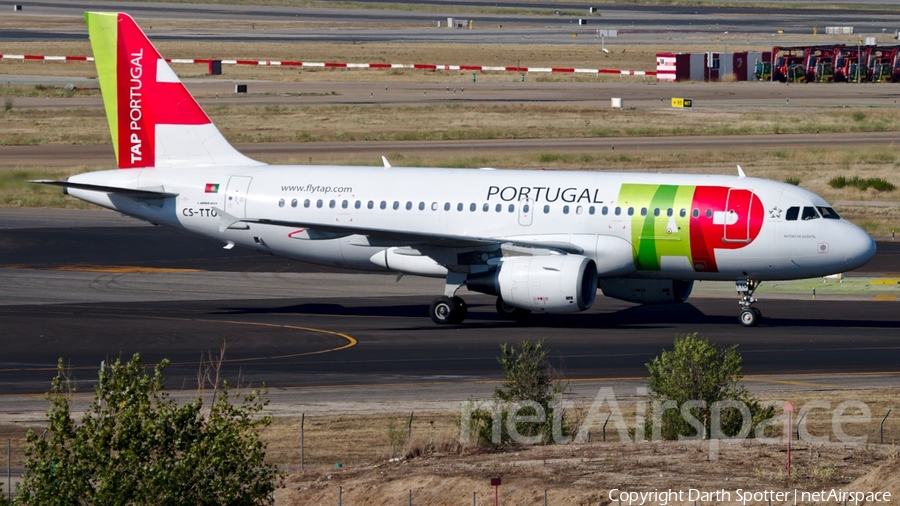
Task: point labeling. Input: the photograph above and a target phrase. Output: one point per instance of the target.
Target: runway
(91, 286)
(122, 288)
(523, 22)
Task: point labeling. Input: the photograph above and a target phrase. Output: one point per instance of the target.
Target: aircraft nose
(858, 247)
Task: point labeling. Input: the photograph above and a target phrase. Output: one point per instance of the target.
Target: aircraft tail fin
(153, 119)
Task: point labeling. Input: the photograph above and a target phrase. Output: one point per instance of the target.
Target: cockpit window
(792, 213)
(809, 213)
(828, 213)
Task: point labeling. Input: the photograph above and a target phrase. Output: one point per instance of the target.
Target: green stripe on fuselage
(103, 31)
(654, 237)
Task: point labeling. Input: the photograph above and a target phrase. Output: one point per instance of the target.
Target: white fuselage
(667, 226)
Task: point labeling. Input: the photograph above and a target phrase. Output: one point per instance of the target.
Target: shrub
(794, 180)
(529, 388)
(876, 183)
(693, 371)
(134, 445)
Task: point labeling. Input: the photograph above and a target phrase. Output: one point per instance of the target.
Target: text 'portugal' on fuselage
(539, 240)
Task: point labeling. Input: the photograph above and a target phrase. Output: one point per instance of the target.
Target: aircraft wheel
(750, 317)
(462, 309)
(443, 311)
(509, 312)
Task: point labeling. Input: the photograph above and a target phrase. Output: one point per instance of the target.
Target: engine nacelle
(647, 291)
(552, 283)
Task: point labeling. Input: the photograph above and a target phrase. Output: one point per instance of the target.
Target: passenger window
(472, 207)
(383, 205)
(281, 203)
(643, 211)
(512, 208)
(618, 211)
(682, 213)
(306, 203)
(828, 213)
(579, 210)
(604, 211)
(591, 210)
(656, 212)
(434, 206)
(565, 209)
(546, 209)
(486, 207)
(331, 204)
(408, 206)
(421, 206)
(319, 203)
(630, 211)
(499, 208)
(696, 213)
(370, 205)
(396, 205)
(344, 204)
(446, 206)
(357, 205)
(809, 213)
(670, 212)
(709, 213)
(459, 207)
(294, 203)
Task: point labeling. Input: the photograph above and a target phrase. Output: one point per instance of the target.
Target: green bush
(136, 446)
(529, 388)
(794, 180)
(876, 183)
(698, 372)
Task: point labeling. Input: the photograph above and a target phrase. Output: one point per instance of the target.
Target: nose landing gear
(750, 316)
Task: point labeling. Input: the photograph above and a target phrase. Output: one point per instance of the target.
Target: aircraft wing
(390, 237)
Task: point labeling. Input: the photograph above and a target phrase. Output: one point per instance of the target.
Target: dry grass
(477, 120)
(440, 471)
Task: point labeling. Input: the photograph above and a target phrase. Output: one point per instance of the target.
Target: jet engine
(550, 283)
(647, 291)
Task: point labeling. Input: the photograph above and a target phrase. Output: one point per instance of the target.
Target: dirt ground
(587, 474)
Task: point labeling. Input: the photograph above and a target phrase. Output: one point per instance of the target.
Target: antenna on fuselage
(387, 164)
(741, 172)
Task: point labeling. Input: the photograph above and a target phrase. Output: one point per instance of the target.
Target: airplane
(541, 241)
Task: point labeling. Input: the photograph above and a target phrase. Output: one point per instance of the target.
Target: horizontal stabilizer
(126, 192)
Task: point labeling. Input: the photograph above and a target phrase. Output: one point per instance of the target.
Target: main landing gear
(450, 309)
(447, 310)
(750, 316)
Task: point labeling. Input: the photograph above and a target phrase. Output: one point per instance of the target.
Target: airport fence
(318, 443)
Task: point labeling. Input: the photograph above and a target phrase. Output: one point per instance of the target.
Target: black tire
(758, 315)
(508, 312)
(443, 311)
(462, 309)
(750, 317)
